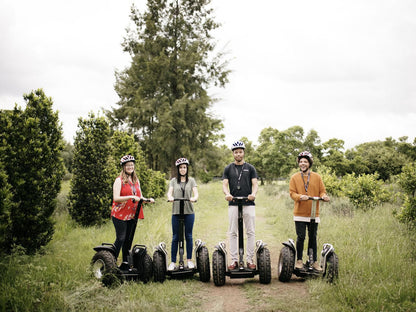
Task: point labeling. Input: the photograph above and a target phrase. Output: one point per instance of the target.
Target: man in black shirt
(240, 179)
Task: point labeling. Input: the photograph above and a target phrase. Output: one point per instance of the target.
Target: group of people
(239, 180)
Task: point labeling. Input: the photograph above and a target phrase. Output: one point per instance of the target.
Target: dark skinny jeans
(301, 233)
(123, 231)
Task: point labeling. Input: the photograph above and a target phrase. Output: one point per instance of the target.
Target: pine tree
(163, 94)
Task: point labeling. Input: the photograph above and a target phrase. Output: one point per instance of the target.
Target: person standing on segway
(182, 186)
(240, 180)
(303, 185)
(126, 196)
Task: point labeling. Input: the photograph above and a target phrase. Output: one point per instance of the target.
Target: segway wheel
(203, 265)
(159, 267)
(286, 264)
(147, 269)
(218, 268)
(263, 262)
(332, 268)
(104, 268)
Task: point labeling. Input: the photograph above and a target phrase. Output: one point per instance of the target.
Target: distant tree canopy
(275, 156)
(163, 94)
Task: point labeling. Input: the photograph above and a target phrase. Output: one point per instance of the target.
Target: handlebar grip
(315, 198)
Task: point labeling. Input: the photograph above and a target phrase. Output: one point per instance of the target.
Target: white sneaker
(171, 266)
(191, 265)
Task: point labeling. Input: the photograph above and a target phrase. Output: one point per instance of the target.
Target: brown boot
(316, 266)
(299, 264)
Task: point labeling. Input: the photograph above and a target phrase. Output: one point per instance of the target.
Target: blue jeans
(189, 225)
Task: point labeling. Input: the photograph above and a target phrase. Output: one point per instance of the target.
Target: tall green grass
(376, 255)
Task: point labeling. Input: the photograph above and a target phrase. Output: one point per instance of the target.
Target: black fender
(291, 244)
(106, 246)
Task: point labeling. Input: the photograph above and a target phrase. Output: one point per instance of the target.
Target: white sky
(346, 69)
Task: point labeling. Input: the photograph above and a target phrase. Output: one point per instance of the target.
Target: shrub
(365, 191)
(407, 181)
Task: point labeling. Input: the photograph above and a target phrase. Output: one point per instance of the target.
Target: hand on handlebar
(228, 197)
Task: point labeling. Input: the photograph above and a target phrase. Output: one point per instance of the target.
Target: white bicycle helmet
(125, 159)
(181, 161)
(237, 144)
(306, 155)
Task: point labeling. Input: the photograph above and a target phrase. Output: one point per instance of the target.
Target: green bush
(365, 191)
(407, 181)
(332, 183)
(31, 144)
(91, 186)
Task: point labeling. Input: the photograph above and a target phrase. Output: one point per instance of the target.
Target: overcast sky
(346, 69)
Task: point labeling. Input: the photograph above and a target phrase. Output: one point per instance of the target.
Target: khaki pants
(249, 216)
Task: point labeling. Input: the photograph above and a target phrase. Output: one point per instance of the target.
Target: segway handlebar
(181, 199)
(240, 198)
(143, 200)
(315, 198)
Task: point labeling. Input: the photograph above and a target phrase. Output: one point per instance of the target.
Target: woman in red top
(126, 196)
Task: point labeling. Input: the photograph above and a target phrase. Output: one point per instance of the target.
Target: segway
(138, 266)
(160, 256)
(328, 260)
(219, 258)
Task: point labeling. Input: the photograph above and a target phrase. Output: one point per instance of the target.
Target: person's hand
(193, 199)
(170, 198)
(251, 197)
(304, 197)
(325, 198)
(228, 197)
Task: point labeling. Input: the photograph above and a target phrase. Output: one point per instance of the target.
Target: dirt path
(233, 295)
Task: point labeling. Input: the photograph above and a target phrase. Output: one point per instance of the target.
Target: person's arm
(293, 191)
(117, 190)
(195, 197)
(254, 189)
(228, 196)
(170, 194)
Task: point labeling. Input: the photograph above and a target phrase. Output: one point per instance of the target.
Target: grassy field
(376, 253)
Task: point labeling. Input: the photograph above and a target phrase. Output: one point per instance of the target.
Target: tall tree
(163, 94)
(32, 141)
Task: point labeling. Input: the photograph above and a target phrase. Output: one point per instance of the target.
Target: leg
(233, 232)
(189, 225)
(175, 237)
(301, 233)
(127, 243)
(249, 215)
(121, 232)
(312, 243)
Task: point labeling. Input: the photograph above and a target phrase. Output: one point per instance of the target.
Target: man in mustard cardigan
(303, 184)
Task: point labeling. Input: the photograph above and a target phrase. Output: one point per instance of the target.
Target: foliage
(333, 184)
(68, 156)
(381, 157)
(333, 156)
(32, 144)
(91, 185)
(6, 206)
(163, 94)
(364, 191)
(407, 181)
